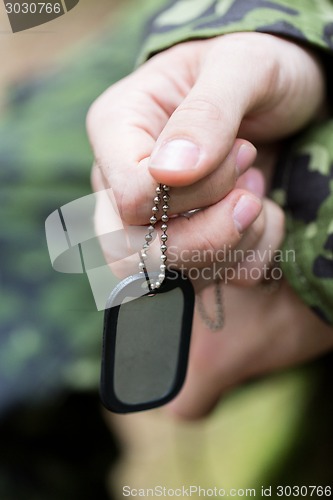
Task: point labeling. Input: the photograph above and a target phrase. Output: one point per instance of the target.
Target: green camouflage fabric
(303, 20)
(309, 233)
(304, 188)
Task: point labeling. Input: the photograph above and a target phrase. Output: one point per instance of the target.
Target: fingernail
(245, 156)
(254, 182)
(179, 154)
(246, 211)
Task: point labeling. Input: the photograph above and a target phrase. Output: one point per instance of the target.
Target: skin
(188, 118)
(262, 333)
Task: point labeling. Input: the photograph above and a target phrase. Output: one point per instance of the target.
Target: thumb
(200, 133)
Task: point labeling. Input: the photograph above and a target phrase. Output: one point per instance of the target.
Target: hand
(262, 333)
(178, 120)
(208, 244)
(175, 120)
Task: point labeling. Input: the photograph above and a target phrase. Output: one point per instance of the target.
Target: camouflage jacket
(304, 184)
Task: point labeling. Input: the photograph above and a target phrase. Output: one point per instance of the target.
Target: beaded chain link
(162, 196)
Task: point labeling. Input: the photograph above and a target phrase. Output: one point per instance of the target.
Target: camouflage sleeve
(180, 20)
(304, 188)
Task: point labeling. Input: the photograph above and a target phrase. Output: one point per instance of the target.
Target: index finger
(123, 125)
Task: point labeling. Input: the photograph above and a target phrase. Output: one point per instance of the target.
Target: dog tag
(146, 342)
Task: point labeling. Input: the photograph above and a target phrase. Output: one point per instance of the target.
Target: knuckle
(202, 107)
(103, 108)
(132, 208)
(93, 115)
(207, 244)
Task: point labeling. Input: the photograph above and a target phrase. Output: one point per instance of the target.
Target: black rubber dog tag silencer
(146, 343)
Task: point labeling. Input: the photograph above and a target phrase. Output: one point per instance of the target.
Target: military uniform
(50, 332)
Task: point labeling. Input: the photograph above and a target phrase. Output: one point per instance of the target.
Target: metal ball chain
(162, 196)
